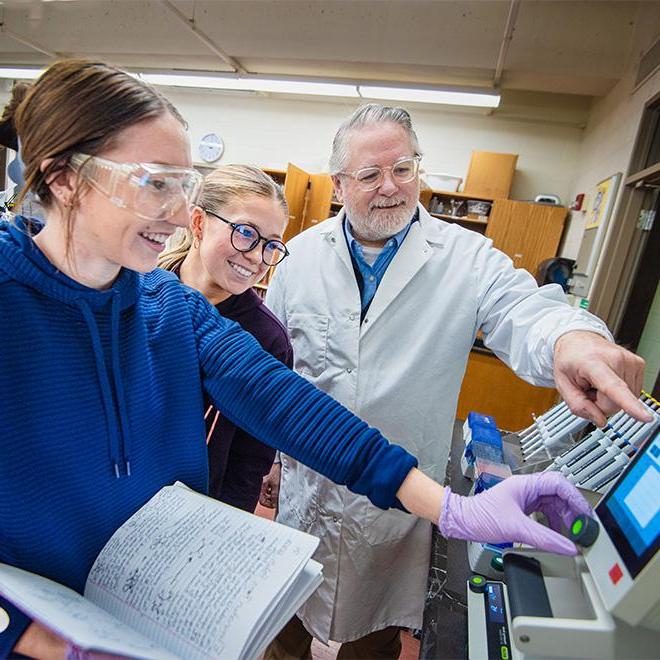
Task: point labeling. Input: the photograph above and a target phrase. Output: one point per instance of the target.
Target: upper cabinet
(528, 233)
(470, 211)
(296, 186)
(490, 175)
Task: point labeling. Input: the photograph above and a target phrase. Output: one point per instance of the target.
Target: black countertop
(444, 631)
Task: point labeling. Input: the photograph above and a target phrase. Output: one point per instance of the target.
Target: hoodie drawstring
(106, 391)
(119, 383)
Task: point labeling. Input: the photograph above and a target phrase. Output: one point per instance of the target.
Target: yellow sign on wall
(600, 202)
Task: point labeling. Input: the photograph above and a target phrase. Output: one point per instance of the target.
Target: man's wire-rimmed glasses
(245, 238)
(370, 178)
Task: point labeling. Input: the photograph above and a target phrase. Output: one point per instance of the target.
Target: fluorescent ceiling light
(478, 99)
(20, 73)
(293, 86)
(277, 86)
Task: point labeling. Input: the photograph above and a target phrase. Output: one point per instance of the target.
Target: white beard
(380, 225)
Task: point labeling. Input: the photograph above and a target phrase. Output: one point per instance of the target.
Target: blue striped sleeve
(275, 405)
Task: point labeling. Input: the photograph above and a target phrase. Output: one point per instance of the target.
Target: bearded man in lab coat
(383, 303)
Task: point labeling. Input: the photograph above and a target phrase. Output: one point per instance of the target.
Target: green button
(504, 652)
(578, 524)
(477, 584)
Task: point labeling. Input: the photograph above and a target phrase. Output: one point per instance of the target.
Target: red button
(615, 573)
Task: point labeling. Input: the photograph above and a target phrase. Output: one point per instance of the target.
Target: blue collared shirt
(369, 277)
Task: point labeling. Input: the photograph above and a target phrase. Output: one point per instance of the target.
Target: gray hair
(372, 113)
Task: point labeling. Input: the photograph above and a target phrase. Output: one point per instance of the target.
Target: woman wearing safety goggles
(105, 360)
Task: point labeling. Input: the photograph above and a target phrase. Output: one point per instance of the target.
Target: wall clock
(211, 148)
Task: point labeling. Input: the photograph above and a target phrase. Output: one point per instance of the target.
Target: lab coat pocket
(299, 494)
(309, 336)
(381, 527)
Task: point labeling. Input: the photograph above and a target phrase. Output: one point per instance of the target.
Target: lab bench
(444, 631)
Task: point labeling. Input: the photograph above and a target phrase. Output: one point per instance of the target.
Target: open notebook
(186, 576)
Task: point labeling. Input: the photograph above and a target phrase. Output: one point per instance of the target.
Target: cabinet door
(490, 174)
(491, 388)
(528, 233)
(295, 191)
(318, 200)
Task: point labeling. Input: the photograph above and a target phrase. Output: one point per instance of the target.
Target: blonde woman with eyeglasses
(235, 236)
(105, 358)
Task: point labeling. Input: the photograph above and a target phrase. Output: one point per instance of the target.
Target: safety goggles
(151, 191)
(370, 178)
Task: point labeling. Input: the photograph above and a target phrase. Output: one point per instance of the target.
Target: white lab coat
(401, 370)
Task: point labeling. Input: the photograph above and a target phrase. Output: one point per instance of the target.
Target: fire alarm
(577, 204)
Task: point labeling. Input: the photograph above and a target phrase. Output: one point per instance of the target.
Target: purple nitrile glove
(501, 514)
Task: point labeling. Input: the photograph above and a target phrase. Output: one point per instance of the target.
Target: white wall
(273, 131)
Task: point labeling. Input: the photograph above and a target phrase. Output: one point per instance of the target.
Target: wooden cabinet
(308, 196)
(319, 200)
(491, 388)
(296, 185)
(460, 208)
(490, 174)
(527, 232)
(279, 176)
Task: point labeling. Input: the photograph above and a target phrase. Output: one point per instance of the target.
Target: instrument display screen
(630, 512)
(497, 631)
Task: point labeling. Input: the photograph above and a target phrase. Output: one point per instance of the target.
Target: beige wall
(272, 131)
(610, 133)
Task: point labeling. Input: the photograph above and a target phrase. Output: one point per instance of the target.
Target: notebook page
(303, 587)
(72, 617)
(194, 574)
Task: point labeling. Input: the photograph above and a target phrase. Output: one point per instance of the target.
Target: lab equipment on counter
(483, 441)
(487, 558)
(604, 603)
(596, 461)
(552, 429)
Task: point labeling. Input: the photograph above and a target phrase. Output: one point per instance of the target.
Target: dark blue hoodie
(101, 405)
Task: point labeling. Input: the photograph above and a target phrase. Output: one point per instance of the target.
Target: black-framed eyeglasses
(245, 238)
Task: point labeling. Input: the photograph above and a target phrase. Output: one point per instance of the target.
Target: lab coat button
(352, 317)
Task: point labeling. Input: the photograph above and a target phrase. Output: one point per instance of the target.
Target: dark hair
(8, 135)
(79, 106)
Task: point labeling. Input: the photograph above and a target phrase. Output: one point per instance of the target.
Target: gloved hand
(501, 514)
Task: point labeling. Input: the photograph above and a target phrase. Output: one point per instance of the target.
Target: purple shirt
(238, 462)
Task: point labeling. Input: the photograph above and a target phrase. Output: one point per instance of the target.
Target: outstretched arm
(500, 514)
(596, 377)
